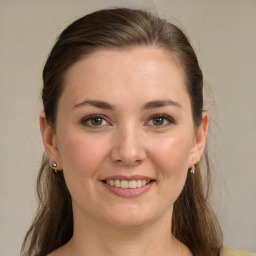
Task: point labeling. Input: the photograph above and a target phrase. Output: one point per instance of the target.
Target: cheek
(172, 154)
(81, 157)
(81, 154)
(171, 158)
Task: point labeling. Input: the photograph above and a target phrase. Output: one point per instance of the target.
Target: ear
(199, 140)
(50, 141)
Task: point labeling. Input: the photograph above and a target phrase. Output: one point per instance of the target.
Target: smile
(127, 183)
(128, 186)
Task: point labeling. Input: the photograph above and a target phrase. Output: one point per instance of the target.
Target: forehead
(117, 73)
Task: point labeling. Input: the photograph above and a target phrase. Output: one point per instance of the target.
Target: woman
(124, 131)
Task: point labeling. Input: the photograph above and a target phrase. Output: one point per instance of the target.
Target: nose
(128, 149)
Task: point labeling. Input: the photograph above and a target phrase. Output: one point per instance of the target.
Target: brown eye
(95, 121)
(160, 120)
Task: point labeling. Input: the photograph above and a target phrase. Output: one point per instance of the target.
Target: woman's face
(124, 136)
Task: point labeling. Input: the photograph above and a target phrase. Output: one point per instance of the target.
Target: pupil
(158, 121)
(96, 121)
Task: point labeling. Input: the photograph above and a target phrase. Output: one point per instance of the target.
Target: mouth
(128, 184)
(131, 186)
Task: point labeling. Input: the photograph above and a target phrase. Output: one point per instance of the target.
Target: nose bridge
(129, 148)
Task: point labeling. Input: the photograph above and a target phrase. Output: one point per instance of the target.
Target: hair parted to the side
(194, 223)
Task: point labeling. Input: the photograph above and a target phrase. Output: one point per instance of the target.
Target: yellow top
(234, 252)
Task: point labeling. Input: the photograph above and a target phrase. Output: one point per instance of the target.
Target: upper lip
(133, 177)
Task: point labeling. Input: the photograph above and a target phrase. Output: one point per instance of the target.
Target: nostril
(128, 162)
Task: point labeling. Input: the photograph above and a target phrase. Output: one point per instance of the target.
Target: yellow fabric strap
(234, 252)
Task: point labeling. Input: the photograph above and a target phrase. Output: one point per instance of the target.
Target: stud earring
(193, 169)
(53, 165)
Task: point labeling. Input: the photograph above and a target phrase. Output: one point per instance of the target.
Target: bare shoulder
(234, 252)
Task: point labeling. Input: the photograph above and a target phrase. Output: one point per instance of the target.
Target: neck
(154, 238)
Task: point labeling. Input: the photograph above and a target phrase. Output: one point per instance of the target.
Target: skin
(128, 141)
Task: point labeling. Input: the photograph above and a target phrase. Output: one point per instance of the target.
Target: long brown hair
(194, 222)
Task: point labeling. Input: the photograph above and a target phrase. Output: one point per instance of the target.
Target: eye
(95, 121)
(160, 120)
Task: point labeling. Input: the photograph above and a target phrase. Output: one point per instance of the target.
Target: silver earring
(192, 169)
(53, 165)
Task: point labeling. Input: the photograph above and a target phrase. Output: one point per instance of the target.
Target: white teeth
(132, 184)
(117, 183)
(127, 183)
(124, 183)
(139, 183)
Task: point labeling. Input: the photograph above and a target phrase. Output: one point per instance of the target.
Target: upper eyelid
(162, 116)
(94, 116)
(87, 118)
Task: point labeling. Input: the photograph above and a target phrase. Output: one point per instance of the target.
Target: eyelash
(85, 121)
(164, 117)
(94, 117)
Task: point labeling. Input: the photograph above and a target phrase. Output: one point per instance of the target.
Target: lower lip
(128, 192)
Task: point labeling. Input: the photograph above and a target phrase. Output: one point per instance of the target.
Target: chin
(130, 216)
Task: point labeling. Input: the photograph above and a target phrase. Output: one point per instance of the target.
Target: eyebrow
(148, 105)
(161, 103)
(94, 103)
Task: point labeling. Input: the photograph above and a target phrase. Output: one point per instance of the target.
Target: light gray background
(223, 33)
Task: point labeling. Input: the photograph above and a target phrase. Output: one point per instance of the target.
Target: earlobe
(200, 139)
(49, 140)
